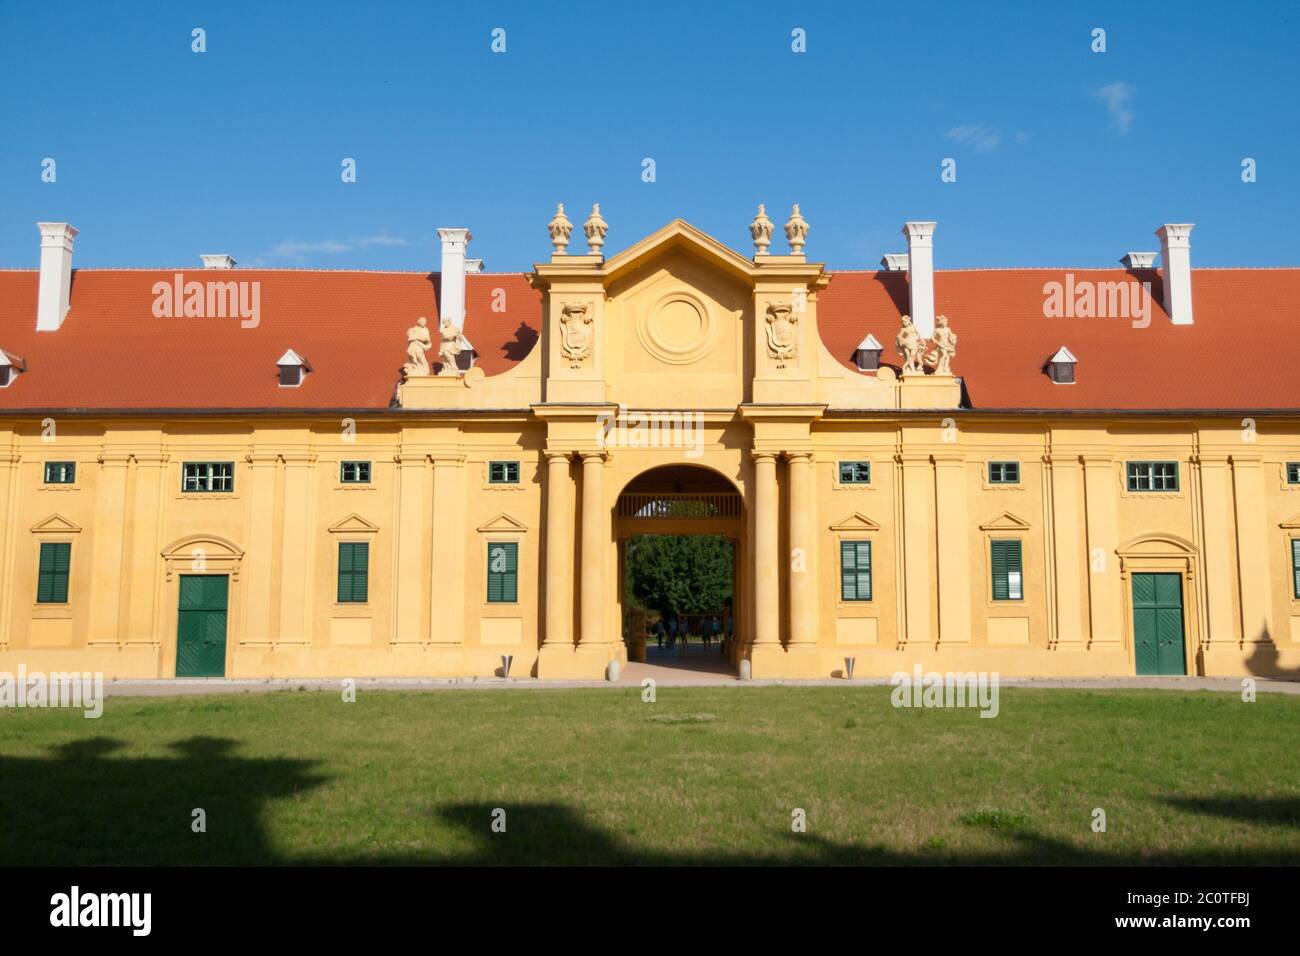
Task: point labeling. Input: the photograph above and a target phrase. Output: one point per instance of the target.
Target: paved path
(663, 675)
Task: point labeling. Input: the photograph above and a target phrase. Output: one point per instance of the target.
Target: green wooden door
(1158, 623)
(201, 629)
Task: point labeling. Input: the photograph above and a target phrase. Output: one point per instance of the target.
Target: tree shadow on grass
(84, 806)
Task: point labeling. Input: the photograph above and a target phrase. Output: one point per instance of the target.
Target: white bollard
(745, 670)
(611, 672)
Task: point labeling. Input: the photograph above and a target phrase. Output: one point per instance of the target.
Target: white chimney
(217, 261)
(55, 289)
(452, 306)
(894, 262)
(920, 274)
(473, 266)
(1176, 258)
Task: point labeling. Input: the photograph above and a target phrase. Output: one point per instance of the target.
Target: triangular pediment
(856, 521)
(1292, 523)
(503, 522)
(676, 235)
(1005, 522)
(354, 523)
(55, 524)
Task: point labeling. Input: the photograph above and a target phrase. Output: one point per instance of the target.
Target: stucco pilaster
(296, 548)
(558, 574)
(263, 468)
(803, 550)
(1252, 549)
(1217, 525)
(447, 588)
(1104, 598)
(109, 544)
(953, 535)
(767, 625)
(918, 492)
(595, 538)
(408, 576)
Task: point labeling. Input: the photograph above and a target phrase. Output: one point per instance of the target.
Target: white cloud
(1117, 96)
(294, 250)
(983, 139)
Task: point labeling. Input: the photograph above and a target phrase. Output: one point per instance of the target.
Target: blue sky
(1064, 156)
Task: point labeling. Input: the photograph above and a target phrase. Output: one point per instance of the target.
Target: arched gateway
(682, 500)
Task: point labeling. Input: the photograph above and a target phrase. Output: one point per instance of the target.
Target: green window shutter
(354, 572)
(503, 572)
(1008, 579)
(864, 570)
(855, 570)
(52, 575)
(1295, 564)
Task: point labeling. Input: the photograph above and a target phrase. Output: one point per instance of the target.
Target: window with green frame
(354, 473)
(1295, 567)
(60, 472)
(855, 570)
(52, 576)
(354, 572)
(1153, 476)
(1293, 472)
(1008, 573)
(855, 473)
(503, 472)
(1004, 473)
(208, 476)
(503, 572)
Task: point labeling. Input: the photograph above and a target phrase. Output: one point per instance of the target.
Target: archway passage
(681, 537)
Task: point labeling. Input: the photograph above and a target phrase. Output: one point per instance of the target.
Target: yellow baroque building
(228, 471)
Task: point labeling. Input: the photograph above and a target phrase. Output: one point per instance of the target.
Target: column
(408, 567)
(558, 575)
(258, 575)
(1069, 550)
(1102, 520)
(595, 536)
(953, 536)
(918, 489)
(447, 588)
(1217, 547)
(1253, 547)
(146, 549)
(767, 578)
(296, 552)
(803, 550)
(110, 522)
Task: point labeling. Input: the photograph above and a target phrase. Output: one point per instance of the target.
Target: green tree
(686, 574)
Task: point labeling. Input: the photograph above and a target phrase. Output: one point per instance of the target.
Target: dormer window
(10, 366)
(1060, 367)
(293, 369)
(867, 355)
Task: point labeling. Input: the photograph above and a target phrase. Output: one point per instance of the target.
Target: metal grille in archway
(679, 505)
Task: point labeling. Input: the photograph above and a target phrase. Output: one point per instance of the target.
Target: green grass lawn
(703, 775)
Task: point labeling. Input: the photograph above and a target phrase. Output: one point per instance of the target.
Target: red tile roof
(112, 353)
(1242, 352)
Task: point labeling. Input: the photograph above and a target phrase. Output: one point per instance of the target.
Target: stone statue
(418, 342)
(945, 347)
(761, 230)
(911, 346)
(575, 333)
(449, 351)
(595, 227)
(560, 229)
(796, 231)
(782, 337)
